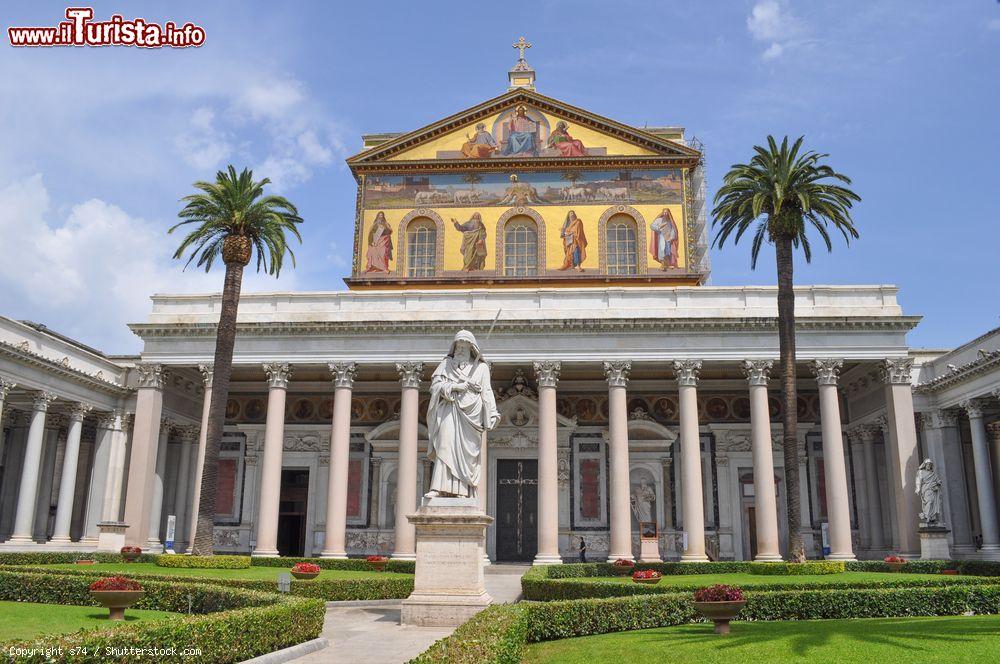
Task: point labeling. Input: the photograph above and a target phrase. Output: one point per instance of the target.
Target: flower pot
(720, 613)
(116, 601)
(304, 576)
(131, 556)
(653, 581)
(85, 562)
(895, 567)
(378, 565)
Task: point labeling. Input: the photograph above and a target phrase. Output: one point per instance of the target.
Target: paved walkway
(371, 634)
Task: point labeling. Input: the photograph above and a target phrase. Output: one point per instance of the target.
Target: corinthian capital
(343, 374)
(206, 374)
(686, 372)
(150, 375)
(410, 374)
(547, 372)
(827, 371)
(41, 401)
(78, 411)
(897, 371)
(939, 419)
(973, 407)
(758, 372)
(617, 373)
(278, 375)
(5, 387)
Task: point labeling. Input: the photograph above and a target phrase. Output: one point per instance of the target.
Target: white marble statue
(929, 490)
(462, 407)
(642, 502)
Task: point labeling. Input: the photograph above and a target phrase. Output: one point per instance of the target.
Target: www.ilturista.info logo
(80, 30)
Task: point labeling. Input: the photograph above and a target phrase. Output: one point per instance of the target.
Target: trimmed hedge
(203, 562)
(328, 590)
(497, 635)
(572, 570)
(350, 564)
(798, 569)
(65, 557)
(233, 624)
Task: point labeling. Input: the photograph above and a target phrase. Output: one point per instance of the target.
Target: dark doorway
(292, 512)
(517, 507)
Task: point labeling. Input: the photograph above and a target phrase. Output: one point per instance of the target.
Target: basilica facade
(634, 398)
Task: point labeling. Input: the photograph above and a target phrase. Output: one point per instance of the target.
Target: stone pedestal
(112, 535)
(649, 550)
(448, 587)
(934, 543)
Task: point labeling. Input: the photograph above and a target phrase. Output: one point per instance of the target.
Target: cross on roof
(520, 45)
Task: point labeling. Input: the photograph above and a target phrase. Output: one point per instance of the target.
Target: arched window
(520, 248)
(421, 248)
(620, 240)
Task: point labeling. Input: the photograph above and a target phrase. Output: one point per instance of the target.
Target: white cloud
(203, 145)
(993, 24)
(771, 22)
(99, 258)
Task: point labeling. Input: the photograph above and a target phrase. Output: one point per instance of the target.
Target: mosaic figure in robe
(663, 239)
(473, 242)
(574, 242)
(462, 408)
(522, 135)
(566, 144)
(480, 145)
(379, 252)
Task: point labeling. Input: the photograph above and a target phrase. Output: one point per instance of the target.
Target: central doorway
(517, 507)
(292, 512)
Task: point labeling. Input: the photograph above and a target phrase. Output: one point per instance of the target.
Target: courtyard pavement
(370, 633)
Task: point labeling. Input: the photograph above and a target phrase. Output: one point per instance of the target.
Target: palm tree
(472, 179)
(233, 219)
(782, 194)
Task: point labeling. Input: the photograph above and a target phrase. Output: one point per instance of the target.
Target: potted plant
(720, 604)
(305, 571)
(895, 563)
(85, 561)
(117, 594)
(950, 572)
(378, 563)
(131, 553)
(623, 565)
(647, 576)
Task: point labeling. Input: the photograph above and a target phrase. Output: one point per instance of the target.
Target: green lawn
(25, 620)
(898, 640)
(747, 580)
(252, 573)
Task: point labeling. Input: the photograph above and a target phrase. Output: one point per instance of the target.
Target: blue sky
(99, 144)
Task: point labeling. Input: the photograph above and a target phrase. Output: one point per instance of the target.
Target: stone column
(376, 502)
(188, 436)
(154, 543)
(410, 373)
(903, 437)
(116, 466)
(768, 544)
(993, 429)
(142, 462)
(838, 506)
(27, 494)
(335, 545)
(274, 440)
(67, 483)
(548, 465)
(876, 534)
(98, 476)
(620, 545)
(199, 464)
(692, 496)
(984, 478)
(5, 387)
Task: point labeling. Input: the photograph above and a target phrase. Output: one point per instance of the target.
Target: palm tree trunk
(786, 352)
(225, 340)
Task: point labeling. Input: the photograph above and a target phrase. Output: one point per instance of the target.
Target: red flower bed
(115, 583)
(622, 562)
(646, 574)
(719, 593)
(131, 549)
(306, 568)
(895, 559)
(376, 559)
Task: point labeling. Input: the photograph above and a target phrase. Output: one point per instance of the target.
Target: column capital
(827, 371)
(547, 372)
(995, 394)
(166, 424)
(150, 375)
(77, 411)
(864, 432)
(343, 374)
(897, 371)
(110, 420)
(5, 387)
(376, 462)
(973, 407)
(206, 374)
(758, 372)
(410, 374)
(188, 433)
(940, 419)
(40, 401)
(617, 373)
(278, 374)
(686, 372)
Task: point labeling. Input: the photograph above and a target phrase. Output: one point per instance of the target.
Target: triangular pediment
(519, 125)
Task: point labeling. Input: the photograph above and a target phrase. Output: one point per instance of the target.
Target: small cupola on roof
(521, 75)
